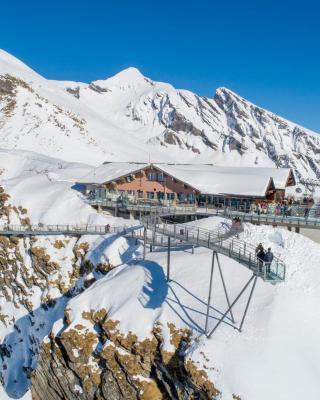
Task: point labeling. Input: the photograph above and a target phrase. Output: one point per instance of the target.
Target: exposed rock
(98, 88)
(106, 364)
(75, 92)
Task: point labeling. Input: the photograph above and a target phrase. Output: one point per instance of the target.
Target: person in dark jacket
(260, 256)
(268, 259)
(259, 248)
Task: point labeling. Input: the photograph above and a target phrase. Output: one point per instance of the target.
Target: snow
(276, 354)
(110, 171)
(278, 345)
(129, 114)
(52, 195)
(207, 179)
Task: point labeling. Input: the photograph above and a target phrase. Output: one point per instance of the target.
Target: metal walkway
(300, 216)
(69, 230)
(158, 233)
(145, 208)
(278, 220)
(222, 241)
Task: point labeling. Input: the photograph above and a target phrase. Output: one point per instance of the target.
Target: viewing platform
(222, 241)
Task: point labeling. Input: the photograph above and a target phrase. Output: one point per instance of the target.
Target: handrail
(294, 214)
(64, 229)
(223, 241)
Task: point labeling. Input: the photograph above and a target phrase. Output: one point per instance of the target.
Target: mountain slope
(130, 117)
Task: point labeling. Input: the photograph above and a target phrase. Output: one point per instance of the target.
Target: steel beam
(234, 302)
(168, 259)
(224, 288)
(248, 302)
(210, 289)
(144, 243)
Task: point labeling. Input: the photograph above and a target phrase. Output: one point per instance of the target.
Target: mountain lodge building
(201, 184)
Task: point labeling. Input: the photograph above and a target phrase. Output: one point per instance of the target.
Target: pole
(209, 295)
(234, 302)
(144, 243)
(168, 259)
(225, 289)
(248, 302)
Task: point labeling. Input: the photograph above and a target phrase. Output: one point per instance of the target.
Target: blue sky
(266, 51)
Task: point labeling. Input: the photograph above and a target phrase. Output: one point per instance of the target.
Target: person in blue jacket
(268, 257)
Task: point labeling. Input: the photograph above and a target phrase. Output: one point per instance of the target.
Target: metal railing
(296, 215)
(224, 241)
(160, 208)
(292, 210)
(80, 229)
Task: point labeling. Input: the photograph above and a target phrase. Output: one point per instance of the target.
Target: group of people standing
(264, 257)
(286, 207)
(236, 222)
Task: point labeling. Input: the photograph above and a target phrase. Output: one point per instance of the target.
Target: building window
(100, 193)
(140, 194)
(150, 195)
(151, 176)
(160, 195)
(182, 197)
(191, 198)
(170, 196)
(160, 177)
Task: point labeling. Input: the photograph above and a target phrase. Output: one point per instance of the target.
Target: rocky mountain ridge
(129, 116)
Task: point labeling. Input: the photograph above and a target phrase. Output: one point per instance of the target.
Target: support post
(225, 288)
(233, 303)
(248, 302)
(168, 259)
(209, 295)
(144, 243)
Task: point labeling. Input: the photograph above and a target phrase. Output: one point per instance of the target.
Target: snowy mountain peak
(129, 116)
(130, 74)
(128, 78)
(13, 66)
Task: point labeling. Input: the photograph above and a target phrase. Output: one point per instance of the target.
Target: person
(236, 223)
(107, 228)
(259, 248)
(268, 259)
(260, 256)
(259, 208)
